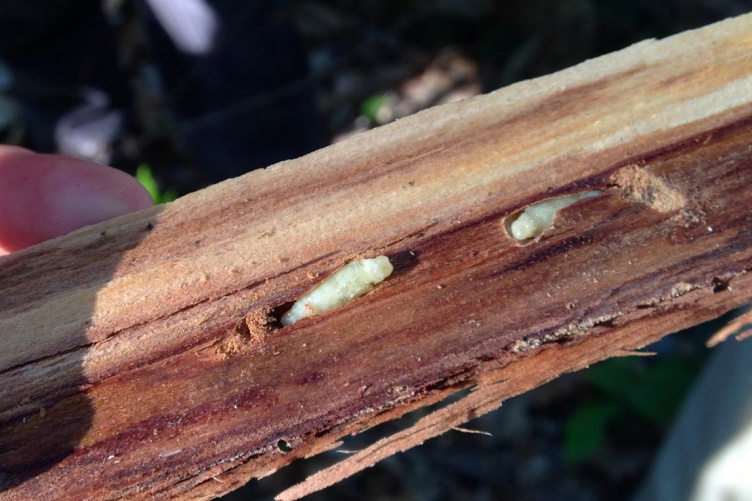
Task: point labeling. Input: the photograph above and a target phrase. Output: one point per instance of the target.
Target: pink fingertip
(46, 196)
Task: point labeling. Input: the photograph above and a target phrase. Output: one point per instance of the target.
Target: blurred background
(185, 93)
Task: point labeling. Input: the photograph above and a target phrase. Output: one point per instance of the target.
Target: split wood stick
(143, 358)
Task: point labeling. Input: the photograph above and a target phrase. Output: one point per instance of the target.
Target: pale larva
(534, 220)
(347, 283)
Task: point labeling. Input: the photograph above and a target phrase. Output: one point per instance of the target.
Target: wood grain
(141, 357)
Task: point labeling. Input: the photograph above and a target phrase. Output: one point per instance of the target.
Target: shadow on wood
(46, 327)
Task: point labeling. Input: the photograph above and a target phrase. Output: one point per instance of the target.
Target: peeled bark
(143, 357)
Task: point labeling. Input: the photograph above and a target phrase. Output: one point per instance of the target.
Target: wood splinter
(158, 369)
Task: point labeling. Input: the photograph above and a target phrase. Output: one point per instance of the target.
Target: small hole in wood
(404, 261)
(718, 285)
(276, 314)
(283, 446)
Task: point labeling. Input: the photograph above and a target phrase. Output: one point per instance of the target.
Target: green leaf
(371, 106)
(146, 178)
(653, 389)
(585, 430)
(659, 392)
(167, 196)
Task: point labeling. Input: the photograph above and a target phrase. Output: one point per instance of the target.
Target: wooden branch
(142, 358)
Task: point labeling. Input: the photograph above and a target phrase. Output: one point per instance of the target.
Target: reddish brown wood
(140, 357)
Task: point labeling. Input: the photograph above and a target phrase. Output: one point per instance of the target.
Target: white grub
(347, 283)
(536, 219)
